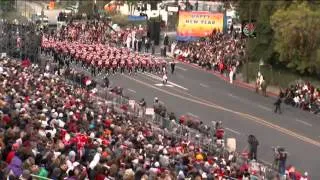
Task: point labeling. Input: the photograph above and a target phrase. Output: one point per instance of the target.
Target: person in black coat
(253, 147)
(278, 105)
(153, 48)
(106, 82)
(173, 64)
(166, 40)
(147, 44)
(143, 103)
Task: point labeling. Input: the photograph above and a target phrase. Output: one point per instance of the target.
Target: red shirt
(72, 127)
(27, 99)
(10, 156)
(220, 133)
(221, 66)
(100, 177)
(6, 119)
(108, 122)
(26, 63)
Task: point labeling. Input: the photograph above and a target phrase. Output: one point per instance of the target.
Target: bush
(276, 76)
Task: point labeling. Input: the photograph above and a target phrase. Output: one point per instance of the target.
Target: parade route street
(242, 112)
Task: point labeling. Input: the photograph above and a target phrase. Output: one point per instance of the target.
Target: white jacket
(95, 161)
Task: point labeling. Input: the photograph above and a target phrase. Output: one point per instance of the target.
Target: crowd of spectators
(96, 32)
(83, 32)
(303, 95)
(20, 41)
(219, 52)
(52, 129)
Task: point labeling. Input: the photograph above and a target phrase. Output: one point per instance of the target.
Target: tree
(296, 37)
(247, 9)
(262, 46)
(86, 7)
(260, 12)
(6, 6)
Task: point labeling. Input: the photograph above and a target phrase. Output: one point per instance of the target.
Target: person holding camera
(253, 147)
(280, 160)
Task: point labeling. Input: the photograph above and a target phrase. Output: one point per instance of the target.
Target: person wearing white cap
(55, 115)
(180, 176)
(17, 105)
(204, 175)
(305, 176)
(157, 164)
(45, 110)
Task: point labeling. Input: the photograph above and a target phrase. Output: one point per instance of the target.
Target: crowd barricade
(39, 177)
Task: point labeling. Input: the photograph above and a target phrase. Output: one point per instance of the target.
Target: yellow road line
(248, 116)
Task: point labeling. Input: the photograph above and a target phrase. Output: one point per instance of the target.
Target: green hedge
(276, 77)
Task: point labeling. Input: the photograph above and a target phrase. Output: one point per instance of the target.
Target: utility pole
(197, 5)
(247, 61)
(25, 8)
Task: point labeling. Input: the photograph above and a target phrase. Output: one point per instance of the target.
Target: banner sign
(137, 18)
(231, 144)
(149, 111)
(173, 8)
(132, 103)
(196, 24)
(3, 55)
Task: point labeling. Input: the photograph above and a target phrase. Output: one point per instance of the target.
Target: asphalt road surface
(243, 112)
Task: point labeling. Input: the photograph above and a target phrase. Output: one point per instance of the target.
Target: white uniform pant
(231, 77)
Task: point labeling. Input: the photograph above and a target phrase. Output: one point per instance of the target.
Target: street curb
(235, 82)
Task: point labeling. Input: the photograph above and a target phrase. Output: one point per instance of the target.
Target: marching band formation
(107, 58)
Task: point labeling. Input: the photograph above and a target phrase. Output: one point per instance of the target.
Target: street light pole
(25, 8)
(94, 7)
(247, 61)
